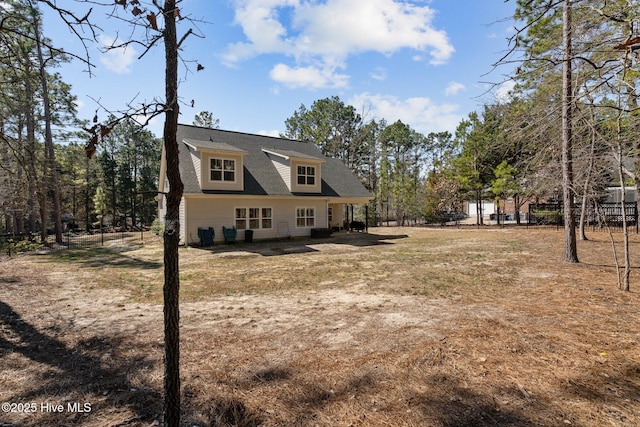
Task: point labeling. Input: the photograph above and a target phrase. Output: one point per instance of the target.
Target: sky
(428, 63)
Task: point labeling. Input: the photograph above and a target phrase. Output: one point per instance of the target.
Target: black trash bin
(248, 236)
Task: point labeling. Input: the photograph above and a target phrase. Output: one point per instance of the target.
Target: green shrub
(15, 247)
(157, 227)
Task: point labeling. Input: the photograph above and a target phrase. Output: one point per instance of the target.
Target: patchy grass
(414, 327)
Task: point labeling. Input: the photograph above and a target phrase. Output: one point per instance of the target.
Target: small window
(266, 218)
(254, 218)
(305, 217)
(241, 218)
(229, 170)
(216, 169)
(306, 175)
(223, 170)
(311, 175)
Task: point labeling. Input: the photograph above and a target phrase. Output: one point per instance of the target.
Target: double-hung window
(306, 175)
(254, 218)
(305, 217)
(223, 170)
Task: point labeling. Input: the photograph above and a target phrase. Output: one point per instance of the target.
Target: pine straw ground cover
(401, 327)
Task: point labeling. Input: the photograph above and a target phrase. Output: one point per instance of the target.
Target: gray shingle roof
(261, 177)
(220, 146)
(290, 154)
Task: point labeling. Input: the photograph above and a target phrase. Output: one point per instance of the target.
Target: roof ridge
(243, 133)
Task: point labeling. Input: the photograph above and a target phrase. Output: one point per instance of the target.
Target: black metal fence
(598, 216)
(545, 214)
(13, 242)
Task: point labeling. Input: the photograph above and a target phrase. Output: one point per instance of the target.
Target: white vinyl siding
(217, 212)
(283, 168)
(298, 175)
(195, 158)
(182, 215)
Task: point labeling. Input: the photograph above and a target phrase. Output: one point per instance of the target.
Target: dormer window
(306, 175)
(223, 170)
(302, 173)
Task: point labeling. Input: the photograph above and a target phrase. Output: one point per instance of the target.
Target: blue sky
(423, 62)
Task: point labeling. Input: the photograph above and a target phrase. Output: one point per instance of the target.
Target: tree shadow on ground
(448, 404)
(101, 257)
(303, 406)
(616, 391)
(304, 245)
(603, 265)
(97, 371)
(445, 402)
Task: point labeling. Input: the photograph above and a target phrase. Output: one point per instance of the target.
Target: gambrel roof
(260, 175)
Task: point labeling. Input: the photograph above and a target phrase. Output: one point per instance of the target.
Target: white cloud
(328, 32)
(453, 88)
(79, 104)
(275, 133)
(117, 60)
(341, 27)
(503, 92)
(259, 20)
(379, 73)
(421, 113)
(309, 77)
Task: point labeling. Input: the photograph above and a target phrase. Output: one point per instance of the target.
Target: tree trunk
(86, 196)
(32, 177)
(624, 284)
(172, 226)
(479, 210)
(571, 251)
(587, 184)
(50, 153)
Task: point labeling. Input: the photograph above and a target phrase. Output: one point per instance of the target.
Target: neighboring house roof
(260, 175)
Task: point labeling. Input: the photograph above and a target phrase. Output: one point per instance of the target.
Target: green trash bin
(248, 236)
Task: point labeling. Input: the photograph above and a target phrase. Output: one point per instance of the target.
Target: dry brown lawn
(399, 327)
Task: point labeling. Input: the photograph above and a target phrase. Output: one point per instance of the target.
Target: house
(487, 208)
(273, 186)
(507, 209)
(614, 194)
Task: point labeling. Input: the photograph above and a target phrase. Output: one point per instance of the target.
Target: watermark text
(46, 407)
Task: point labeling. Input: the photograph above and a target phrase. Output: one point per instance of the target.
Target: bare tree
(170, 107)
(149, 18)
(171, 287)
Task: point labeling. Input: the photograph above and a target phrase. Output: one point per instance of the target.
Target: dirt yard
(399, 327)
